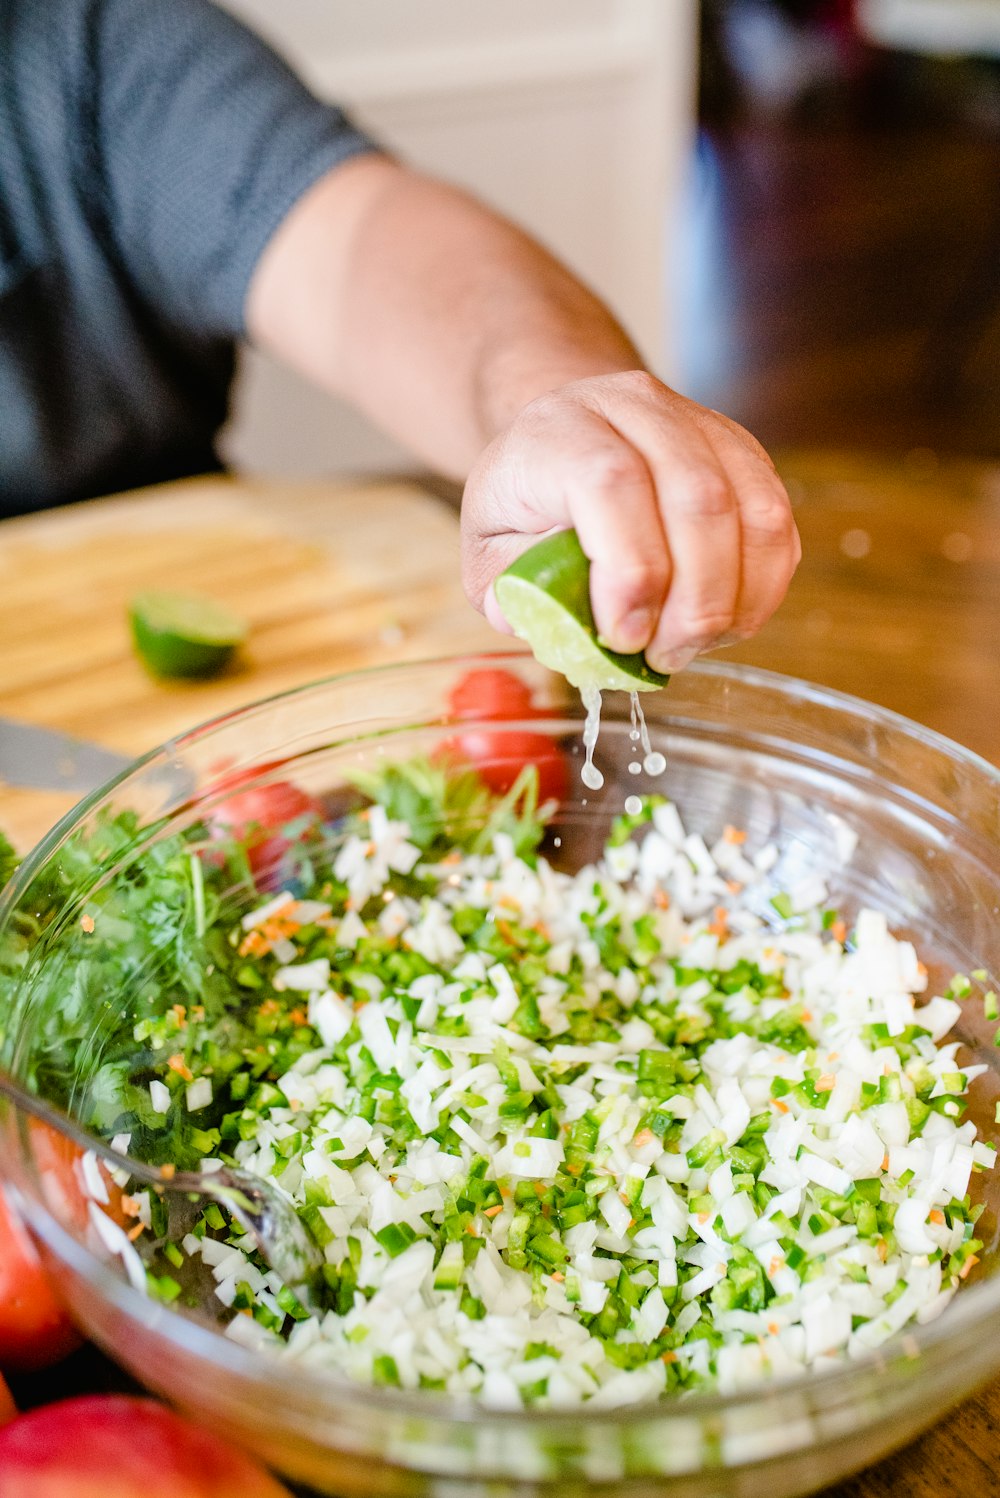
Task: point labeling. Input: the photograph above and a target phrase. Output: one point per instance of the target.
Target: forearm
(433, 315)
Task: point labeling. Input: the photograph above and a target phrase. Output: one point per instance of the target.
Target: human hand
(687, 526)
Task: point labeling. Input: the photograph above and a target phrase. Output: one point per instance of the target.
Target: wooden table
(330, 577)
(897, 600)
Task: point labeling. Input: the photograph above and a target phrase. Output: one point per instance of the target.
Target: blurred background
(793, 204)
(843, 251)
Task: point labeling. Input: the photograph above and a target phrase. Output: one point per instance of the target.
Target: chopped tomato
(34, 1328)
(499, 755)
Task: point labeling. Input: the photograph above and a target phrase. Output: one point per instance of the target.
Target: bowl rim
(300, 1382)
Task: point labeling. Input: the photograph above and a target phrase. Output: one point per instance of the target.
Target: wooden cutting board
(331, 577)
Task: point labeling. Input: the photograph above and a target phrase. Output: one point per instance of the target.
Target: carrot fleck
(936, 1215)
(736, 835)
(827, 1082)
(968, 1266)
(493, 1211)
(168, 1171)
(644, 1137)
(838, 931)
(668, 1357)
(557, 1275)
(719, 925)
(87, 922)
(180, 1066)
(782, 1107)
(129, 1205)
(134, 1233)
(661, 899)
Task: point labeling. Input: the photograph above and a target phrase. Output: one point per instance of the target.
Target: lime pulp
(545, 598)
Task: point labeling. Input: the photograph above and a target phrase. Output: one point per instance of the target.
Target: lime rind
(545, 598)
(184, 635)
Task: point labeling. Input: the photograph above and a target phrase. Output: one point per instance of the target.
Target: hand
(688, 528)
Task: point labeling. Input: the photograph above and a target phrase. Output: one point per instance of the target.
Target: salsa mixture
(647, 1126)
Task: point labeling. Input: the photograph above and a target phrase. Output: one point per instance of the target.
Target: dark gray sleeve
(204, 141)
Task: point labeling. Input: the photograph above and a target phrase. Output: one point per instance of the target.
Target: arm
(464, 338)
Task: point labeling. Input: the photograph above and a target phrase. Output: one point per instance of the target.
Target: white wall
(573, 116)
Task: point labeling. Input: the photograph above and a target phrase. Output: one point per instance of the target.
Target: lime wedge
(184, 635)
(545, 598)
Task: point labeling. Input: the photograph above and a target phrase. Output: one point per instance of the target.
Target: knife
(43, 759)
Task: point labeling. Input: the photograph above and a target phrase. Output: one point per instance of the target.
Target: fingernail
(671, 660)
(632, 631)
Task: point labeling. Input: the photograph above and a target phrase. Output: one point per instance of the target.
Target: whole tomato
(255, 816)
(500, 754)
(8, 1409)
(114, 1446)
(34, 1328)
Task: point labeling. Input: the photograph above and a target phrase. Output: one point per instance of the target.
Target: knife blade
(44, 759)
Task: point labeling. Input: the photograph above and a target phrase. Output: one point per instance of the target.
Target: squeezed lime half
(545, 598)
(184, 634)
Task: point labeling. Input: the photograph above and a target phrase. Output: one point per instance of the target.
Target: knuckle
(767, 521)
(699, 627)
(639, 382)
(638, 578)
(614, 468)
(705, 495)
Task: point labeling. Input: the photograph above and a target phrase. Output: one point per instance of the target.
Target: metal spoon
(265, 1213)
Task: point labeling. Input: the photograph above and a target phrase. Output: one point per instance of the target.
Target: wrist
(515, 374)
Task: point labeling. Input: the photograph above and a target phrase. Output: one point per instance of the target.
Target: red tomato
(500, 755)
(254, 815)
(113, 1446)
(8, 1409)
(491, 693)
(34, 1328)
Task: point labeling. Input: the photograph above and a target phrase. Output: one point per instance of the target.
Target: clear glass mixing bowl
(790, 762)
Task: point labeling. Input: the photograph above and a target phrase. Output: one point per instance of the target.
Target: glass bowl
(789, 762)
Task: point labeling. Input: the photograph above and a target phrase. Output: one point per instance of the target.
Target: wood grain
(331, 577)
(897, 600)
(912, 622)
